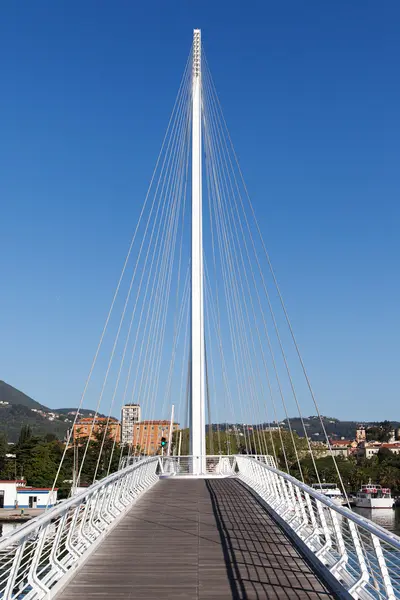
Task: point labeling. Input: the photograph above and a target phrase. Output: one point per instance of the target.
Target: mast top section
(196, 52)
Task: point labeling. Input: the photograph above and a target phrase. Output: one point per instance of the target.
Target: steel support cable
(241, 316)
(138, 293)
(265, 366)
(183, 192)
(144, 306)
(214, 387)
(153, 312)
(238, 318)
(294, 339)
(188, 387)
(120, 326)
(279, 339)
(157, 359)
(149, 339)
(209, 196)
(229, 189)
(94, 361)
(152, 279)
(132, 356)
(227, 391)
(227, 429)
(236, 306)
(182, 222)
(115, 345)
(177, 327)
(148, 335)
(261, 439)
(281, 436)
(177, 196)
(281, 297)
(287, 367)
(166, 277)
(207, 390)
(204, 99)
(167, 163)
(285, 408)
(223, 270)
(185, 354)
(185, 302)
(220, 345)
(233, 339)
(118, 377)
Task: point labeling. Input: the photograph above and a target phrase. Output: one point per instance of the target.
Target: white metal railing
(364, 557)
(210, 465)
(36, 559)
(217, 465)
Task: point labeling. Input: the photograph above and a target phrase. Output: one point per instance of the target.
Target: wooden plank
(197, 539)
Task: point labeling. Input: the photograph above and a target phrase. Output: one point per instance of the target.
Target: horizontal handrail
(374, 528)
(361, 555)
(56, 511)
(37, 558)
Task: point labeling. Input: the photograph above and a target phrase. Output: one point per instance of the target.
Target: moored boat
(331, 491)
(372, 495)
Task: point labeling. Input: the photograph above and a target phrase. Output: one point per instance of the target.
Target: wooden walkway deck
(196, 539)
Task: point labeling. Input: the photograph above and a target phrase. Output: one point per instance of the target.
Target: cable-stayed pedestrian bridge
(242, 529)
(198, 322)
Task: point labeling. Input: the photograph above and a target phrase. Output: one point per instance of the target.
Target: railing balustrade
(39, 557)
(364, 557)
(36, 559)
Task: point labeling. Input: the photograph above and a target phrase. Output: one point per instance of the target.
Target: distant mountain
(335, 428)
(14, 416)
(11, 395)
(18, 409)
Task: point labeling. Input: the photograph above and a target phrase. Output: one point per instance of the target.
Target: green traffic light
(163, 442)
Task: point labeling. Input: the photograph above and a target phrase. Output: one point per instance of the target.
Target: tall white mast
(197, 429)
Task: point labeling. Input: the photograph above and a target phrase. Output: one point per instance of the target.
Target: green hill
(11, 395)
(17, 409)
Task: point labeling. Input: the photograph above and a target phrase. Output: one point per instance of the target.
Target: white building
(31, 497)
(8, 492)
(130, 415)
(16, 494)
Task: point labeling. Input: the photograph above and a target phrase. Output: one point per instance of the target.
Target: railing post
(94, 512)
(325, 529)
(340, 544)
(361, 582)
(387, 582)
(68, 541)
(33, 578)
(304, 520)
(54, 550)
(8, 591)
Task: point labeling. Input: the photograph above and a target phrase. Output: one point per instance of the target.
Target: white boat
(374, 496)
(331, 491)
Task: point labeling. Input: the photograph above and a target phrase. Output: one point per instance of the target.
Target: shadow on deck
(196, 539)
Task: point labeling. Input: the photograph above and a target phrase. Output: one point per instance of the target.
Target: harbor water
(388, 518)
(6, 528)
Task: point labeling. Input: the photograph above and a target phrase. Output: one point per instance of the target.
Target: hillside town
(364, 445)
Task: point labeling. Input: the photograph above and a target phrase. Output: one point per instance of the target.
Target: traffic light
(163, 442)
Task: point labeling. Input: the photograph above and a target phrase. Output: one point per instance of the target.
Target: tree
(381, 432)
(389, 477)
(25, 435)
(3, 452)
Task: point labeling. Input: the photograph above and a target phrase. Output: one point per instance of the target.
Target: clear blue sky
(311, 92)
